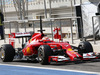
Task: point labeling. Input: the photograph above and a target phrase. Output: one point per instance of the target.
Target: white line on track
(98, 73)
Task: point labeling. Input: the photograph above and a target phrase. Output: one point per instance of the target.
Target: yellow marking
(30, 40)
(0, 22)
(2, 54)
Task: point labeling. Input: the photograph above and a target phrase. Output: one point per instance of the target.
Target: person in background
(1, 25)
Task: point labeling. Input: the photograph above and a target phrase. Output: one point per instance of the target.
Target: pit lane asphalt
(91, 66)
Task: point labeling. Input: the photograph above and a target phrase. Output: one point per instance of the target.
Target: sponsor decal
(22, 34)
(67, 46)
(54, 45)
(28, 50)
(69, 49)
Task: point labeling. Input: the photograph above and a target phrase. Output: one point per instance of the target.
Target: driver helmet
(45, 39)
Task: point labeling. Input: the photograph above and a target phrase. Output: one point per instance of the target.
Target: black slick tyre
(85, 47)
(7, 53)
(44, 51)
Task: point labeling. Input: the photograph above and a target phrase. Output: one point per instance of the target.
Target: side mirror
(40, 40)
(97, 13)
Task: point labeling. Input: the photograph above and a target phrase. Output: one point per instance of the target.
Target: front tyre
(44, 51)
(7, 53)
(85, 47)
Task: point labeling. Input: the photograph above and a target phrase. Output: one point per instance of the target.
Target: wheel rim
(40, 55)
(80, 47)
(2, 54)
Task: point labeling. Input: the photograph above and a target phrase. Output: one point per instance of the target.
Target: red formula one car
(45, 50)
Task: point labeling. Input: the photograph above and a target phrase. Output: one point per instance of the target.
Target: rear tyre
(7, 53)
(44, 51)
(85, 47)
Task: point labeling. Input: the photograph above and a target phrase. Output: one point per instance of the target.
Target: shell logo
(69, 49)
(28, 51)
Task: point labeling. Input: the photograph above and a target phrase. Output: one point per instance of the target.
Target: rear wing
(22, 35)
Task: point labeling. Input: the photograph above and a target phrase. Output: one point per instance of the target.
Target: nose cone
(73, 55)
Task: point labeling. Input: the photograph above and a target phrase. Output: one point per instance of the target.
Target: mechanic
(1, 25)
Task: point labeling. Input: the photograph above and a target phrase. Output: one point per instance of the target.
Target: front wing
(86, 56)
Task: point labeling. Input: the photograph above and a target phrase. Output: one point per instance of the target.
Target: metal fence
(48, 25)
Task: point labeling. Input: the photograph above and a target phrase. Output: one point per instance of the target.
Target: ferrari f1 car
(45, 50)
